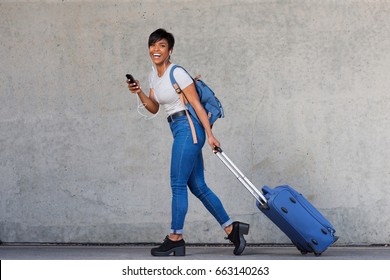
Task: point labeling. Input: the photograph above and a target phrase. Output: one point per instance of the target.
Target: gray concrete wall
(305, 86)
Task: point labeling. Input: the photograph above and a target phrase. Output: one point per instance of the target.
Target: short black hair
(160, 34)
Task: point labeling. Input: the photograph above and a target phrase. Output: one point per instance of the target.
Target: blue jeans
(187, 169)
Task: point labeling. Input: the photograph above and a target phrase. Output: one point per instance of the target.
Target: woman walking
(186, 160)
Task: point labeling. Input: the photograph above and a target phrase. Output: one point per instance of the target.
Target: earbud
(170, 52)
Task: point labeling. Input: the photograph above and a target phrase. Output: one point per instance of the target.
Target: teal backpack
(210, 102)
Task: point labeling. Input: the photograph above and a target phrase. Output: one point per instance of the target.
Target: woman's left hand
(213, 142)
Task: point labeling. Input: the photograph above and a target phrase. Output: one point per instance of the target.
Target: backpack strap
(182, 96)
(193, 131)
(175, 84)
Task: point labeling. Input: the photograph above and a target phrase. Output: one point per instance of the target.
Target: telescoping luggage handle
(241, 177)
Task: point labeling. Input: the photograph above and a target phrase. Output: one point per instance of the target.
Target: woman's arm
(149, 102)
(193, 98)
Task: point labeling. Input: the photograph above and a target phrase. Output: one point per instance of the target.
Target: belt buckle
(170, 118)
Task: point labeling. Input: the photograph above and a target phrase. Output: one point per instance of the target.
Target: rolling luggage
(306, 227)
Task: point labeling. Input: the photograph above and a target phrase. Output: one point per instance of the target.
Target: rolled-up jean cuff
(226, 224)
(177, 231)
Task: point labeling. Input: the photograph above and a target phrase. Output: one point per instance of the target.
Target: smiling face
(159, 52)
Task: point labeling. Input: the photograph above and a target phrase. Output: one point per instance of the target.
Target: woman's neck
(161, 68)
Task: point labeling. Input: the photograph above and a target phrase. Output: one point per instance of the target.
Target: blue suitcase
(306, 227)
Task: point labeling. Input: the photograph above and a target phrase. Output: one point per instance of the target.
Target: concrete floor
(142, 252)
(64, 262)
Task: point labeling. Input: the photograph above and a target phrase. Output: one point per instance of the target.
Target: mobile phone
(130, 79)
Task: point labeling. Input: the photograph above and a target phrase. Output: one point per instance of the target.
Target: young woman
(186, 160)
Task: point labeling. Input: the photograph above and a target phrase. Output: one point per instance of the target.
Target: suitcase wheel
(315, 242)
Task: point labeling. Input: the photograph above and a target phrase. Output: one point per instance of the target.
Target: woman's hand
(213, 142)
(134, 87)
(148, 101)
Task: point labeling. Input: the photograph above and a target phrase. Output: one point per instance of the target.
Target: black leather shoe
(178, 248)
(237, 237)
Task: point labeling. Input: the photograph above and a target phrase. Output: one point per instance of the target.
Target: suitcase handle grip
(241, 177)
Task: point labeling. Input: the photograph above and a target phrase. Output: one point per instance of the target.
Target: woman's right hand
(134, 87)
(147, 101)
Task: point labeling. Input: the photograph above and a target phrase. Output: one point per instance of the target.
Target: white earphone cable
(142, 106)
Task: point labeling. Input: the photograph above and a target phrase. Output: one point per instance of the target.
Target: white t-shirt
(164, 93)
